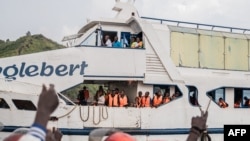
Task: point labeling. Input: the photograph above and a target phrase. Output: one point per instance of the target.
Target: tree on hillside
(28, 33)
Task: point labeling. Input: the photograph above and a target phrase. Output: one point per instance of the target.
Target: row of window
(126, 39)
(20, 104)
(241, 98)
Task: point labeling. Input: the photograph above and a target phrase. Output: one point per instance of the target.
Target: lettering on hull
(45, 70)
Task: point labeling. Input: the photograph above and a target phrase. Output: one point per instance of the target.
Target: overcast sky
(57, 18)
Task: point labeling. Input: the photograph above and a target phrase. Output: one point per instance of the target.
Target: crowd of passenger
(48, 102)
(118, 98)
(136, 42)
(237, 104)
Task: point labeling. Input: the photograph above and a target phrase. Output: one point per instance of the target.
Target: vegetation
(26, 45)
(73, 92)
(38, 43)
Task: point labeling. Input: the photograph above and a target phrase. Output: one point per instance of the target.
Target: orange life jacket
(166, 100)
(123, 100)
(145, 101)
(157, 100)
(113, 101)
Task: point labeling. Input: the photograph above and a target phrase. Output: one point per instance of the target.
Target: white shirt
(101, 100)
(108, 43)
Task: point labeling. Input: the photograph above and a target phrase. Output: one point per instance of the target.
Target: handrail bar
(197, 24)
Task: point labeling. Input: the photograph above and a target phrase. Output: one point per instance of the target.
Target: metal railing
(197, 25)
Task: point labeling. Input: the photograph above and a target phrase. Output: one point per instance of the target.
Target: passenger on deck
(107, 41)
(86, 94)
(109, 92)
(116, 43)
(133, 42)
(138, 100)
(123, 99)
(101, 98)
(146, 100)
(157, 100)
(247, 101)
(237, 103)
(175, 95)
(139, 43)
(83, 96)
(222, 103)
(99, 92)
(166, 98)
(113, 99)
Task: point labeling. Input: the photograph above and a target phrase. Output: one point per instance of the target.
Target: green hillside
(27, 44)
(38, 43)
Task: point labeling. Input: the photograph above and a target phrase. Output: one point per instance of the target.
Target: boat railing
(199, 25)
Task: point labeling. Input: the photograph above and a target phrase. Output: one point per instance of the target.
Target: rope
(84, 120)
(106, 109)
(67, 113)
(96, 123)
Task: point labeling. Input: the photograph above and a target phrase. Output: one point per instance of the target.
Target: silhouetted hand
(54, 135)
(48, 100)
(47, 103)
(200, 121)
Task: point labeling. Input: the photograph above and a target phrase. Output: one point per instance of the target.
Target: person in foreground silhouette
(47, 103)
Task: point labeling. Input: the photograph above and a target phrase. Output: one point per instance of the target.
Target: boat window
(97, 38)
(65, 99)
(125, 39)
(111, 35)
(165, 91)
(193, 95)
(218, 96)
(241, 98)
(90, 40)
(3, 104)
(136, 40)
(24, 104)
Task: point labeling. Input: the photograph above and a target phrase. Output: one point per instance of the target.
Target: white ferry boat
(199, 61)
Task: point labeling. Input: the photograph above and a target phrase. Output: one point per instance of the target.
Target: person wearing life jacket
(146, 101)
(113, 99)
(166, 98)
(138, 100)
(157, 100)
(123, 99)
(222, 103)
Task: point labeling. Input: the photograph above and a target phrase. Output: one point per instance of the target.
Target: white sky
(57, 18)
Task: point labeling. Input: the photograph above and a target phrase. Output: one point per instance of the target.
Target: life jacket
(123, 100)
(157, 100)
(166, 100)
(145, 101)
(113, 101)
